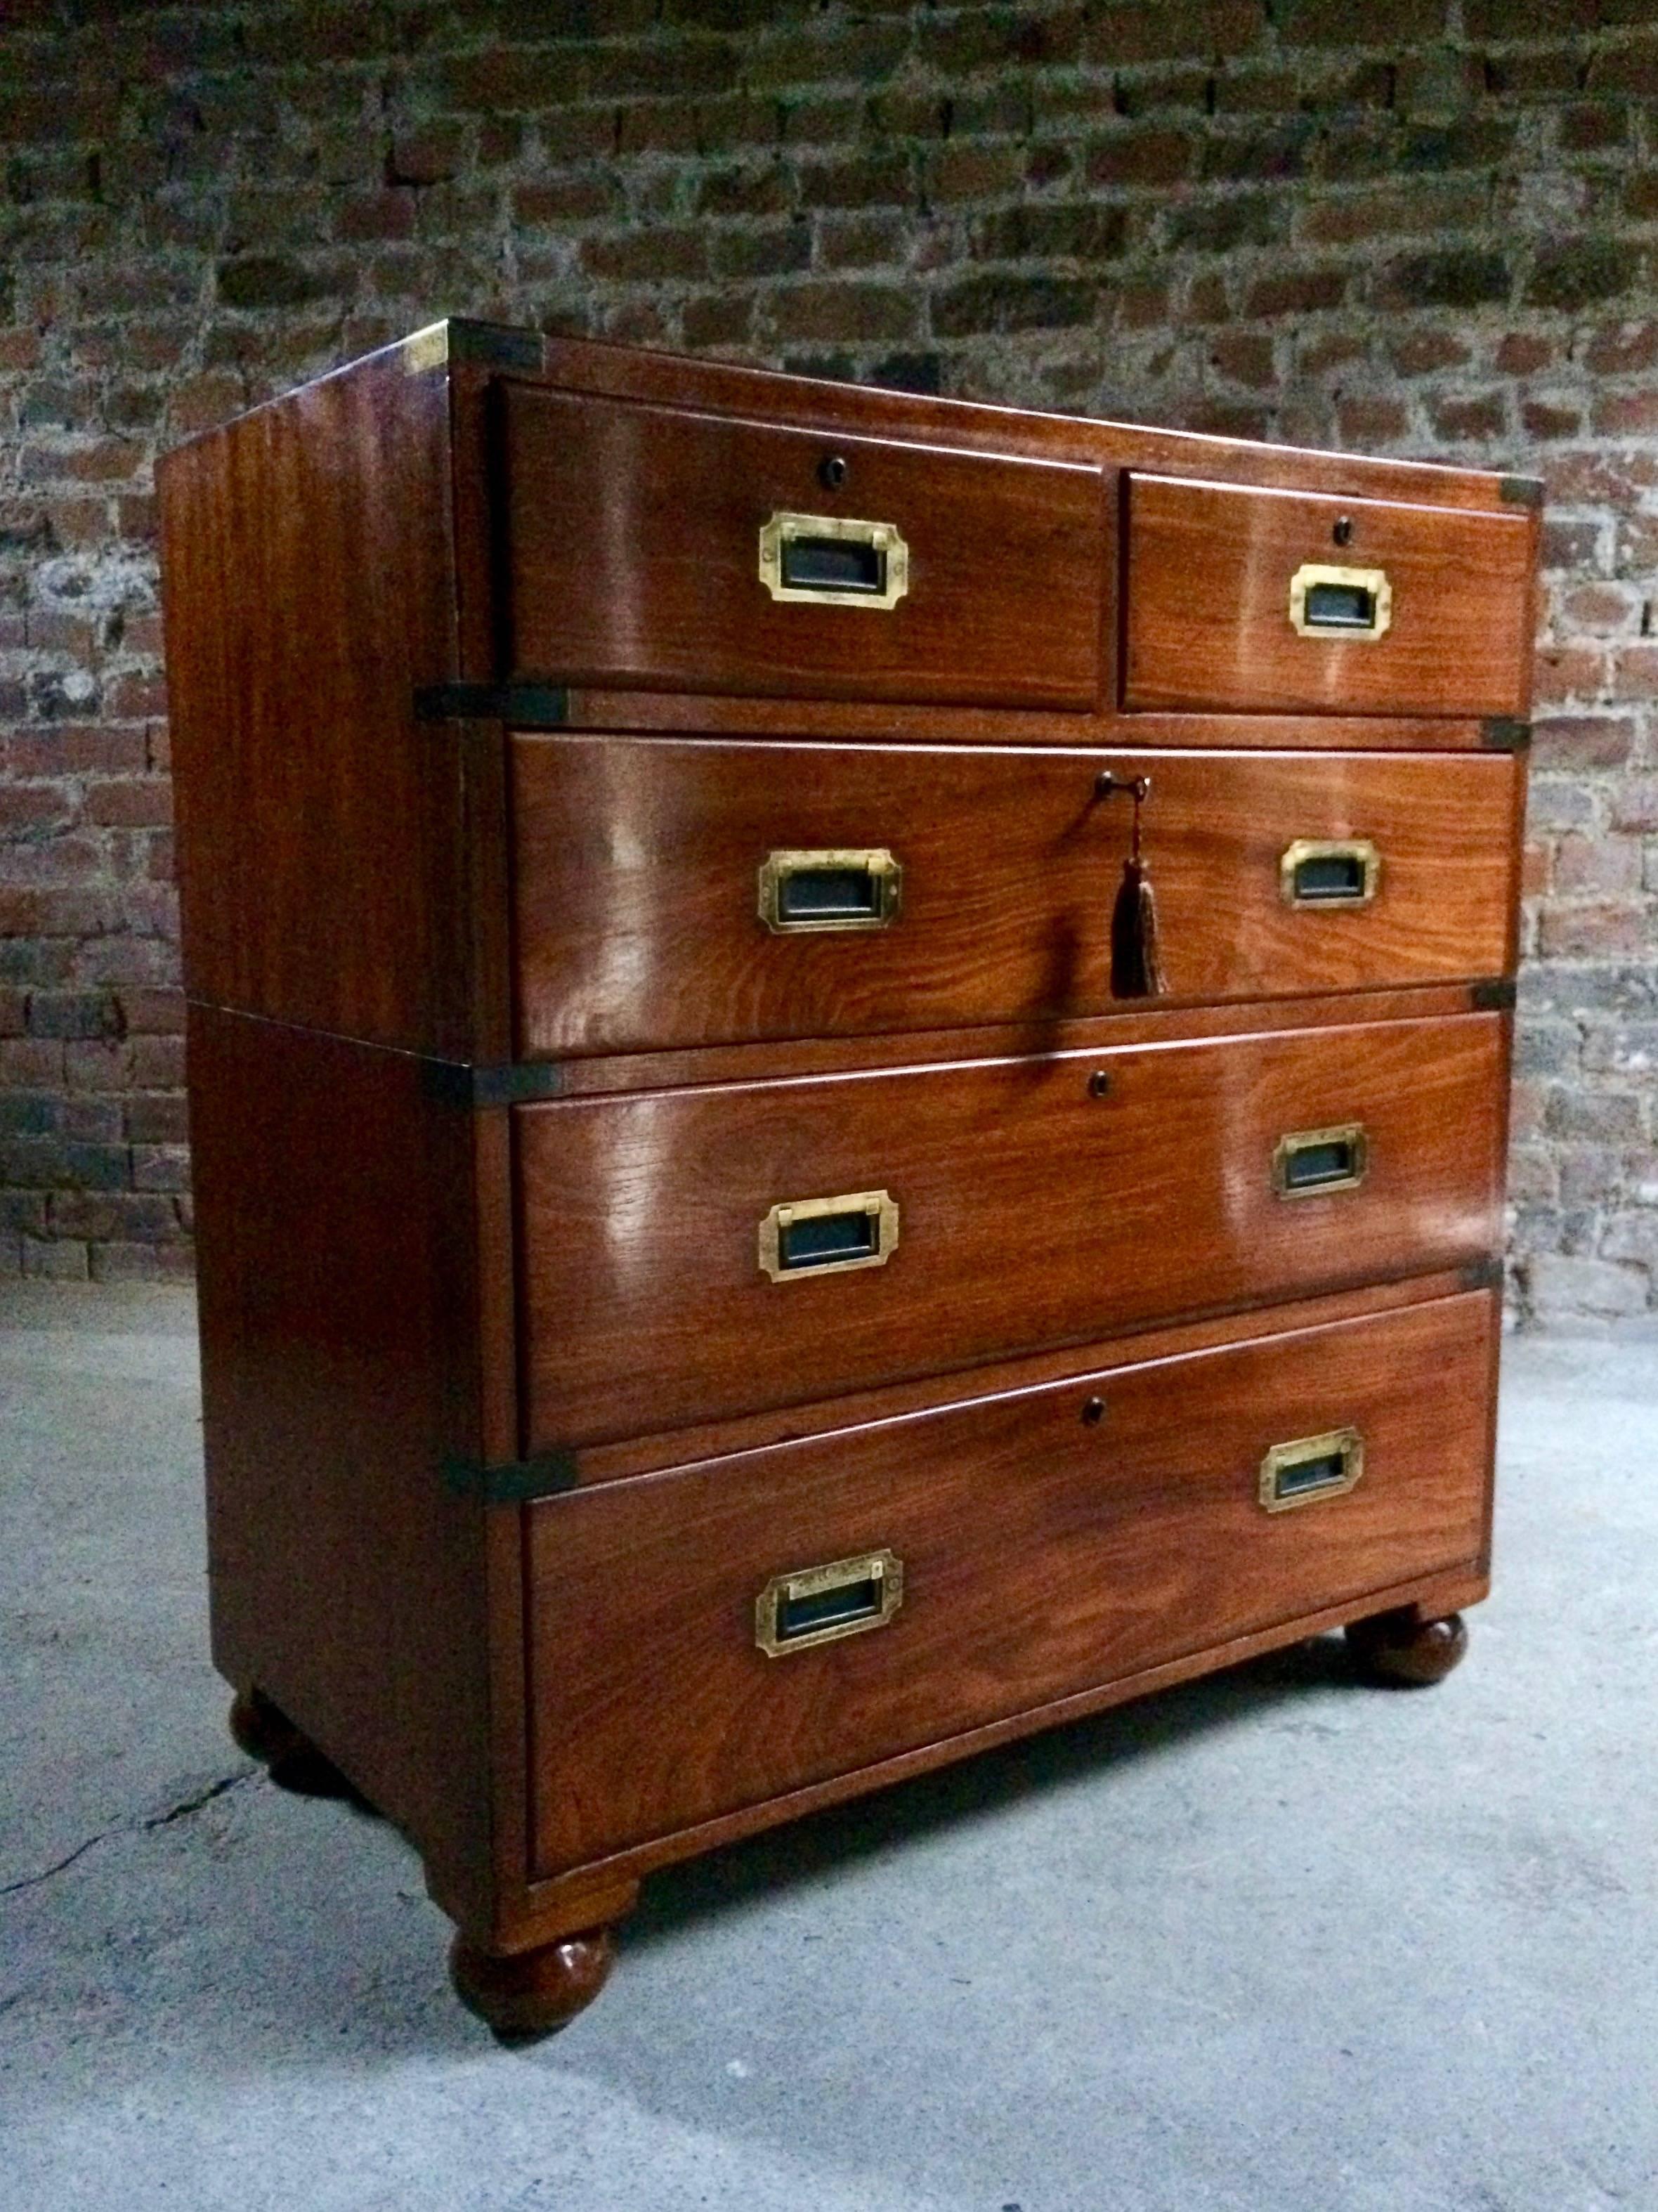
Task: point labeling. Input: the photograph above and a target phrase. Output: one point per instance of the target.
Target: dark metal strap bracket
(1483, 1274)
(538, 706)
(1494, 994)
(450, 1083)
(1505, 733)
(510, 1482)
(1521, 491)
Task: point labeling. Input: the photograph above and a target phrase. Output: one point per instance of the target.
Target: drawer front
(1255, 601)
(672, 892)
(1042, 1548)
(647, 546)
(694, 1254)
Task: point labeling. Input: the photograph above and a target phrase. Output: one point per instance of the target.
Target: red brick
(1616, 349)
(1548, 419)
(426, 153)
(1636, 672)
(1607, 930)
(1379, 23)
(158, 1062)
(1128, 32)
(1297, 292)
(1626, 414)
(1635, 805)
(844, 311)
(1598, 865)
(1142, 157)
(974, 173)
(121, 1262)
(647, 255)
(1602, 609)
(156, 1012)
(1626, 68)
(1427, 352)
(1522, 353)
(1573, 670)
(1372, 419)
(1247, 358)
(1391, 211)
(387, 213)
(1483, 415)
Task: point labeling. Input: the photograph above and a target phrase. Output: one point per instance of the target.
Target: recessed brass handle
(1329, 871)
(834, 890)
(820, 1605)
(1341, 603)
(829, 560)
(1311, 1467)
(1309, 1161)
(829, 1235)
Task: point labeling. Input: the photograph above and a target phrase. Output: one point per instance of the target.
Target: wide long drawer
(704, 1639)
(1255, 600)
(671, 892)
(659, 547)
(691, 1254)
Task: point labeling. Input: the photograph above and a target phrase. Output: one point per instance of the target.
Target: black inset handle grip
(1311, 1160)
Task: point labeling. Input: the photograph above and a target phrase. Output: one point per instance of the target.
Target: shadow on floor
(698, 1890)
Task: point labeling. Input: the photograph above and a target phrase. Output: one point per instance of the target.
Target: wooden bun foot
(522, 1994)
(1405, 1651)
(292, 1761)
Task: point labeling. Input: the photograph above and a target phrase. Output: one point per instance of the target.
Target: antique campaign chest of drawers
(848, 1061)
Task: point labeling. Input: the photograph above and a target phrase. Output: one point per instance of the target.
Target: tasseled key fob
(1136, 969)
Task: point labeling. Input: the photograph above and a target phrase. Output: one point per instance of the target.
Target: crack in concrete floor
(215, 1789)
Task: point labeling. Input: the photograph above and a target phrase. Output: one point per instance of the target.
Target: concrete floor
(1271, 1942)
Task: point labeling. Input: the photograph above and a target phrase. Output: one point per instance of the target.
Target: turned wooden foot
(521, 1994)
(292, 1761)
(1403, 1651)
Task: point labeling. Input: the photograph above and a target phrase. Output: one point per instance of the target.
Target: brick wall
(1415, 225)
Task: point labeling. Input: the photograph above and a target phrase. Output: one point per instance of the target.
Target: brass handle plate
(829, 560)
(1311, 1467)
(805, 1236)
(1307, 1162)
(820, 1605)
(835, 889)
(1329, 871)
(1341, 603)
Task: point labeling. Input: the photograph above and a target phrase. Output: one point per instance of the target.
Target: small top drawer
(652, 547)
(1257, 601)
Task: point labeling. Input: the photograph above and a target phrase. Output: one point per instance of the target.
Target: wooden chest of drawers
(749, 1245)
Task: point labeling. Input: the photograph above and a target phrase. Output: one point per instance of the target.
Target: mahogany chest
(848, 1061)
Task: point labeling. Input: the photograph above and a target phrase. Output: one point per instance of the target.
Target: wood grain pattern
(386, 1280)
(333, 852)
(1031, 1212)
(589, 1894)
(1041, 1553)
(1209, 567)
(635, 860)
(1147, 1021)
(678, 379)
(338, 1364)
(831, 721)
(748, 1432)
(632, 540)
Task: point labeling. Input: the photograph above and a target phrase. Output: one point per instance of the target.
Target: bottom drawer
(989, 1556)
